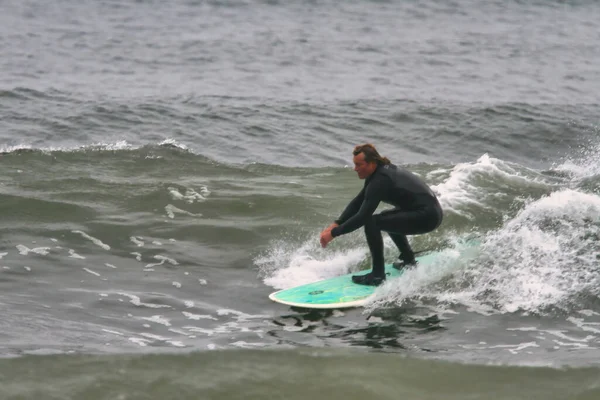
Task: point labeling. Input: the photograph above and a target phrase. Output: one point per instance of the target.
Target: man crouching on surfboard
(416, 211)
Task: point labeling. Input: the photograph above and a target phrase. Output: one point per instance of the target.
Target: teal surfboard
(338, 292)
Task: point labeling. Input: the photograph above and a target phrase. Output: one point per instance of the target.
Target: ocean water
(167, 165)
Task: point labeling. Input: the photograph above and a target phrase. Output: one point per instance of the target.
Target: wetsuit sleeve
(352, 208)
(373, 195)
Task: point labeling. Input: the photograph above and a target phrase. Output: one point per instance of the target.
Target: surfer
(416, 211)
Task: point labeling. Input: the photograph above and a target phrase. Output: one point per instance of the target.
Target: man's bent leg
(406, 253)
(375, 242)
(398, 224)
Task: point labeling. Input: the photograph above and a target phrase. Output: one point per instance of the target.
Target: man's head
(366, 159)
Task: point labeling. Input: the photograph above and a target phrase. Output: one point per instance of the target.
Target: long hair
(371, 154)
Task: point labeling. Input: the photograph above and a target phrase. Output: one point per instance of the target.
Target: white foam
(512, 348)
(524, 329)
(179, 332)
(2, 255)
(239, 315)
(110, 265)
(174, 143)
(246, 345)
(158, 319)
(94, 240)
(577, 345)
(177, 284)
(135, 300)
(545, 256)
(11, 149)
(137, 255)
(542, 257)
(197, 317)
(154, 337)
(119, 145)
(564, 336)
(162, 261)
(522, 346)
(140, 341)
(458, 191)
(113, 332)
(172, 210)
(98, 146)
(285, 266)
(190, 196)
(137, 241)
(462, 190)
(73, 254)
(91, 272)
(586, 165)
(573, 168)
(197, 329)
(167, 259)
(24, 250)
(588, 313)
(585, 326)
(418, 282)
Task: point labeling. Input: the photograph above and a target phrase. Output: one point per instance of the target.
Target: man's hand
(330, 227)
(326, 238)
(326, 235)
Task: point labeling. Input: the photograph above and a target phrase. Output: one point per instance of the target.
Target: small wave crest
(486, 183)
(119, 145)
(286, 264)
(584, 165)
(543, 259)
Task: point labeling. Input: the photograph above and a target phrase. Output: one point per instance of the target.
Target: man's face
(363, 168)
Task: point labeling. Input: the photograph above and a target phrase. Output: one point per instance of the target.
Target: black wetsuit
(416, 211)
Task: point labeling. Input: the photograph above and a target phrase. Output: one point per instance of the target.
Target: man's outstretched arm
(372, 198)
(352, 208)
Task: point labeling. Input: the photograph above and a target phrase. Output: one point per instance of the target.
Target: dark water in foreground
(286, 375)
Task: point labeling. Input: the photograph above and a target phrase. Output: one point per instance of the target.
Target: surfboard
(339, 292)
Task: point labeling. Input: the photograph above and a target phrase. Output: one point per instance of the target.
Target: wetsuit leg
(409, 222)
(375, 242)
(401, 241)
(398, 224)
